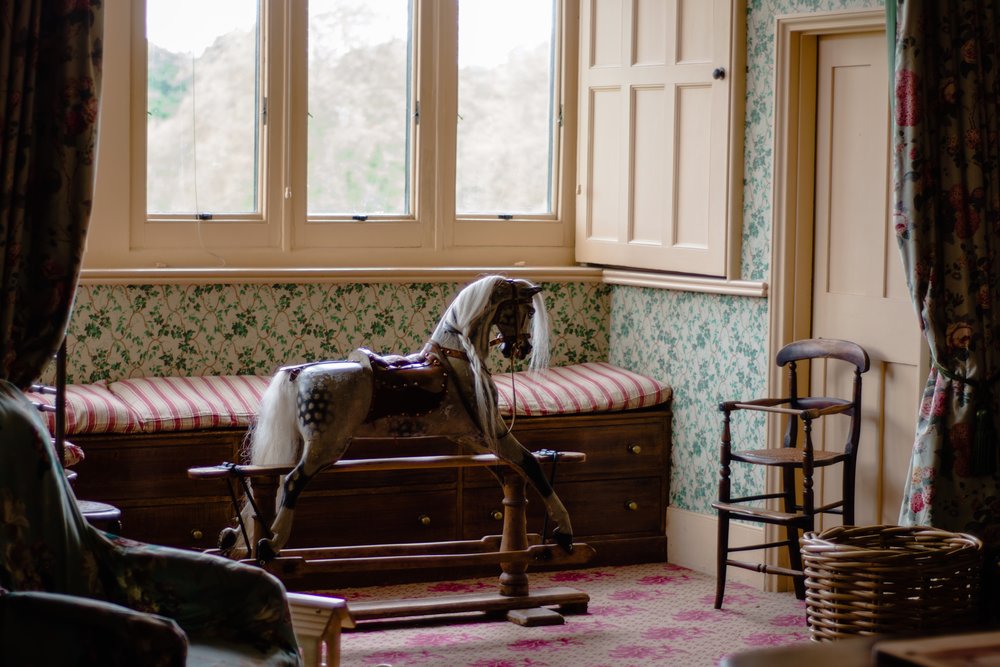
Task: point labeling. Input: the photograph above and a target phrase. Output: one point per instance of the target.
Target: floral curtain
(947, 218)
(50, 58)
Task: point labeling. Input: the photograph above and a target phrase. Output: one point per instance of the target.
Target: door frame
(790, 302)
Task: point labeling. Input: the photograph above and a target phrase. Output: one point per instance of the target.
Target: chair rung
(760, 514)
(763, 496)
(752, 547)
(832, 508)
(765, 569)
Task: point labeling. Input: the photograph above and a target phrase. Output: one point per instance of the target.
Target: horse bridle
(511, 348)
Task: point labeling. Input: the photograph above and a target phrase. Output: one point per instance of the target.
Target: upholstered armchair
(70, 594)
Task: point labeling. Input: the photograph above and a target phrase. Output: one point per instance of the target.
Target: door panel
(859, 292)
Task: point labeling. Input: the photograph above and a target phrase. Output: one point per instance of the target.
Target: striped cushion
(150, 405)
(191, 403)
(91, 408)
(588, 387)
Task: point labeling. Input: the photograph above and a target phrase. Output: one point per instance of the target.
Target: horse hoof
(227, 539)
(564, 540)
(265, 552)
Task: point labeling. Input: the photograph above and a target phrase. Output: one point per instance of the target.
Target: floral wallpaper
(710, 347)
(120, 331)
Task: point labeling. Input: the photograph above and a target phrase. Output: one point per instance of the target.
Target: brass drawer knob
(424, 520)
(634, 449)
(631, 506)
(497, 515)
(197, 534)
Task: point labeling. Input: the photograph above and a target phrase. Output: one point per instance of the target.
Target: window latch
(204, 216)
(359, 218)
(506, 216)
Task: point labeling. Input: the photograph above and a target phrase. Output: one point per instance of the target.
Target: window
(361, 112)
(203, 128)
(336, 133)
(505, 107)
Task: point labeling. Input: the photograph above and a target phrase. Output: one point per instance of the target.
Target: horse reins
(510, 365)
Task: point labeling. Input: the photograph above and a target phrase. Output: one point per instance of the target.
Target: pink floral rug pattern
(638, 616)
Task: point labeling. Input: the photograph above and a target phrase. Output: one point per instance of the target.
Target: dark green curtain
(946, 134)
(50, 65)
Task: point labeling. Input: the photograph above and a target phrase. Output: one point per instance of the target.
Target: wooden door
(859, 291)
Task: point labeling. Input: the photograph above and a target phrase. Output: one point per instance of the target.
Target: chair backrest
(824, 348)
(59, 409)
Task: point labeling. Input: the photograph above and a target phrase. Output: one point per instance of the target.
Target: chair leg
(722, 555)
(848, 497)
(795, 561)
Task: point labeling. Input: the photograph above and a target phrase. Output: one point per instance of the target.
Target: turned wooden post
(513, 579)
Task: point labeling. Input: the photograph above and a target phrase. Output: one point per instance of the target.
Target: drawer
(611, 507)
(147, 467)
(386, 518)
(193, 525)
(615, 447)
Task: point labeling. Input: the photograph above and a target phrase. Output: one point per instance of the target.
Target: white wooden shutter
(657, 154)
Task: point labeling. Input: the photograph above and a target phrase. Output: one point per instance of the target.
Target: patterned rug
(639, 616)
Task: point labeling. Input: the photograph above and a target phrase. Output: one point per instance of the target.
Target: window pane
(359, 107)
(505, 83)
(202, 135)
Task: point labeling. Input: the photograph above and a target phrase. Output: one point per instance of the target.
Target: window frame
(281, 236)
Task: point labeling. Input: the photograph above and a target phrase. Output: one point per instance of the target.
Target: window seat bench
(139, 437)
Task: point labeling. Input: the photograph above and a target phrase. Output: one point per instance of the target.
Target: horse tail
(274, 438)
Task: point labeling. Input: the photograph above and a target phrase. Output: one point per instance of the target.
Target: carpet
(639, 616)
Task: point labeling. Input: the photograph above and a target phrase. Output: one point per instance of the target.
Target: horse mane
(465, 317)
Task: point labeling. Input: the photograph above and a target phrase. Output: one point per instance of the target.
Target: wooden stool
(317, 621)
(101, 515)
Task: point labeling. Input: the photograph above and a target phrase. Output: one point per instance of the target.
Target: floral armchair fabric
(72, 595)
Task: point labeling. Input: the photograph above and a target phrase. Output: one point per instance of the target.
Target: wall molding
(685, 283)
(171, 276)
(555, 274)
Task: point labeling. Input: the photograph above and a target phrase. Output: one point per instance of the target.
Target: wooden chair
(794, 515)
(101, 515)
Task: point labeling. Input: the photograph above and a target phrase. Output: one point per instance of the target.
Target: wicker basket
(863, 580)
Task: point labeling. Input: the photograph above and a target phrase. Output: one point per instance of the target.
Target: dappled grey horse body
(311, 412)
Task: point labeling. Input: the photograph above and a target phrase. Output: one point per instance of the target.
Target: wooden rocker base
(513, 551)
(303, 567)
(528, 610)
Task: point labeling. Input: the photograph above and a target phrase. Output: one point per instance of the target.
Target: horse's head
(512, 305)
(515, 307)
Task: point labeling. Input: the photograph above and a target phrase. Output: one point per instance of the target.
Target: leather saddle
(412, 385)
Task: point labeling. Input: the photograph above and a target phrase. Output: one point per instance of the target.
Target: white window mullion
(445, 76)
(295, 104)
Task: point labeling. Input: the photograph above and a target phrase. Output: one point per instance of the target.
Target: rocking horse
(310, 412)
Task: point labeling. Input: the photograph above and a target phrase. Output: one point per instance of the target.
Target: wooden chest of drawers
(617, 499)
